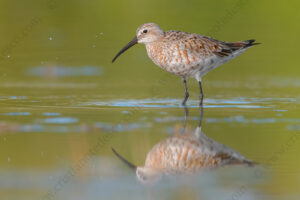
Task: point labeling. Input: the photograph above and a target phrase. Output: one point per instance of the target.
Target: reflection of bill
(185, 153)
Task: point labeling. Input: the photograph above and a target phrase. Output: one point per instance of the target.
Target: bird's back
(185, 54)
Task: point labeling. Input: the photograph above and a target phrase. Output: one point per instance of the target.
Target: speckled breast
(174, 58)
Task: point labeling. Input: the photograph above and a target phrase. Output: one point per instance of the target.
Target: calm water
(63, 105)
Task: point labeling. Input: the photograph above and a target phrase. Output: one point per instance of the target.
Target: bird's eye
(145, 31)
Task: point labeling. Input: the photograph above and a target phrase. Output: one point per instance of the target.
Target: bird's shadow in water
(185, 152)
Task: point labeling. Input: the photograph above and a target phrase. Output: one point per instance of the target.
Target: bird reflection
(185, 152)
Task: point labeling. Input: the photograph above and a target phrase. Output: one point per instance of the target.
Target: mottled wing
(195, 46)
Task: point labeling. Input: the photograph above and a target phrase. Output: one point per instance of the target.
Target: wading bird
(185, 54)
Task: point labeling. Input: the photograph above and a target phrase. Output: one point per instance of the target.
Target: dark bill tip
(129, 164)
(130, 44)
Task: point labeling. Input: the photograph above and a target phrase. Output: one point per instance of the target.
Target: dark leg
(186, 115)
(185, 119)
(201, 103)
(201, 115)
(201, 96)
(186, 95)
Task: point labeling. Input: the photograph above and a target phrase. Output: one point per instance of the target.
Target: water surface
(63, 105)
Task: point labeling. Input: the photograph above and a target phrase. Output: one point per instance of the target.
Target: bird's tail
(243, 162)
(241, 45)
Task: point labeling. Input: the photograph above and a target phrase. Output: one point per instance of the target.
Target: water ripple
(60, 120)
(17, 114)
(51, 114)
(62, 71)
(232, 119)
(174, 103)
(79, 128)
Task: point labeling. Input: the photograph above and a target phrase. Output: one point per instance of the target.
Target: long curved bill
(129, 164)
(130, 44)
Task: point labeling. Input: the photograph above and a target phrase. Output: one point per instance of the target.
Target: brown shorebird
(185, 153)
(185, 54)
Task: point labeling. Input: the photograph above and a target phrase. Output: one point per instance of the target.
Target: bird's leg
(186, 115)
(201, 96)
(201, 115)
(201, 103)
(186, 95)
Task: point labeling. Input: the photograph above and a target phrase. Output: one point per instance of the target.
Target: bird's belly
(184, 69)
(181, 63)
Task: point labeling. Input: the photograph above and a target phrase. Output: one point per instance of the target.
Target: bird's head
(145, 175)
(146, 33)
(148, 175)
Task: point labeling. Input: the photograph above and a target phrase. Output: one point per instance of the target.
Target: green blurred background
(60, 94)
